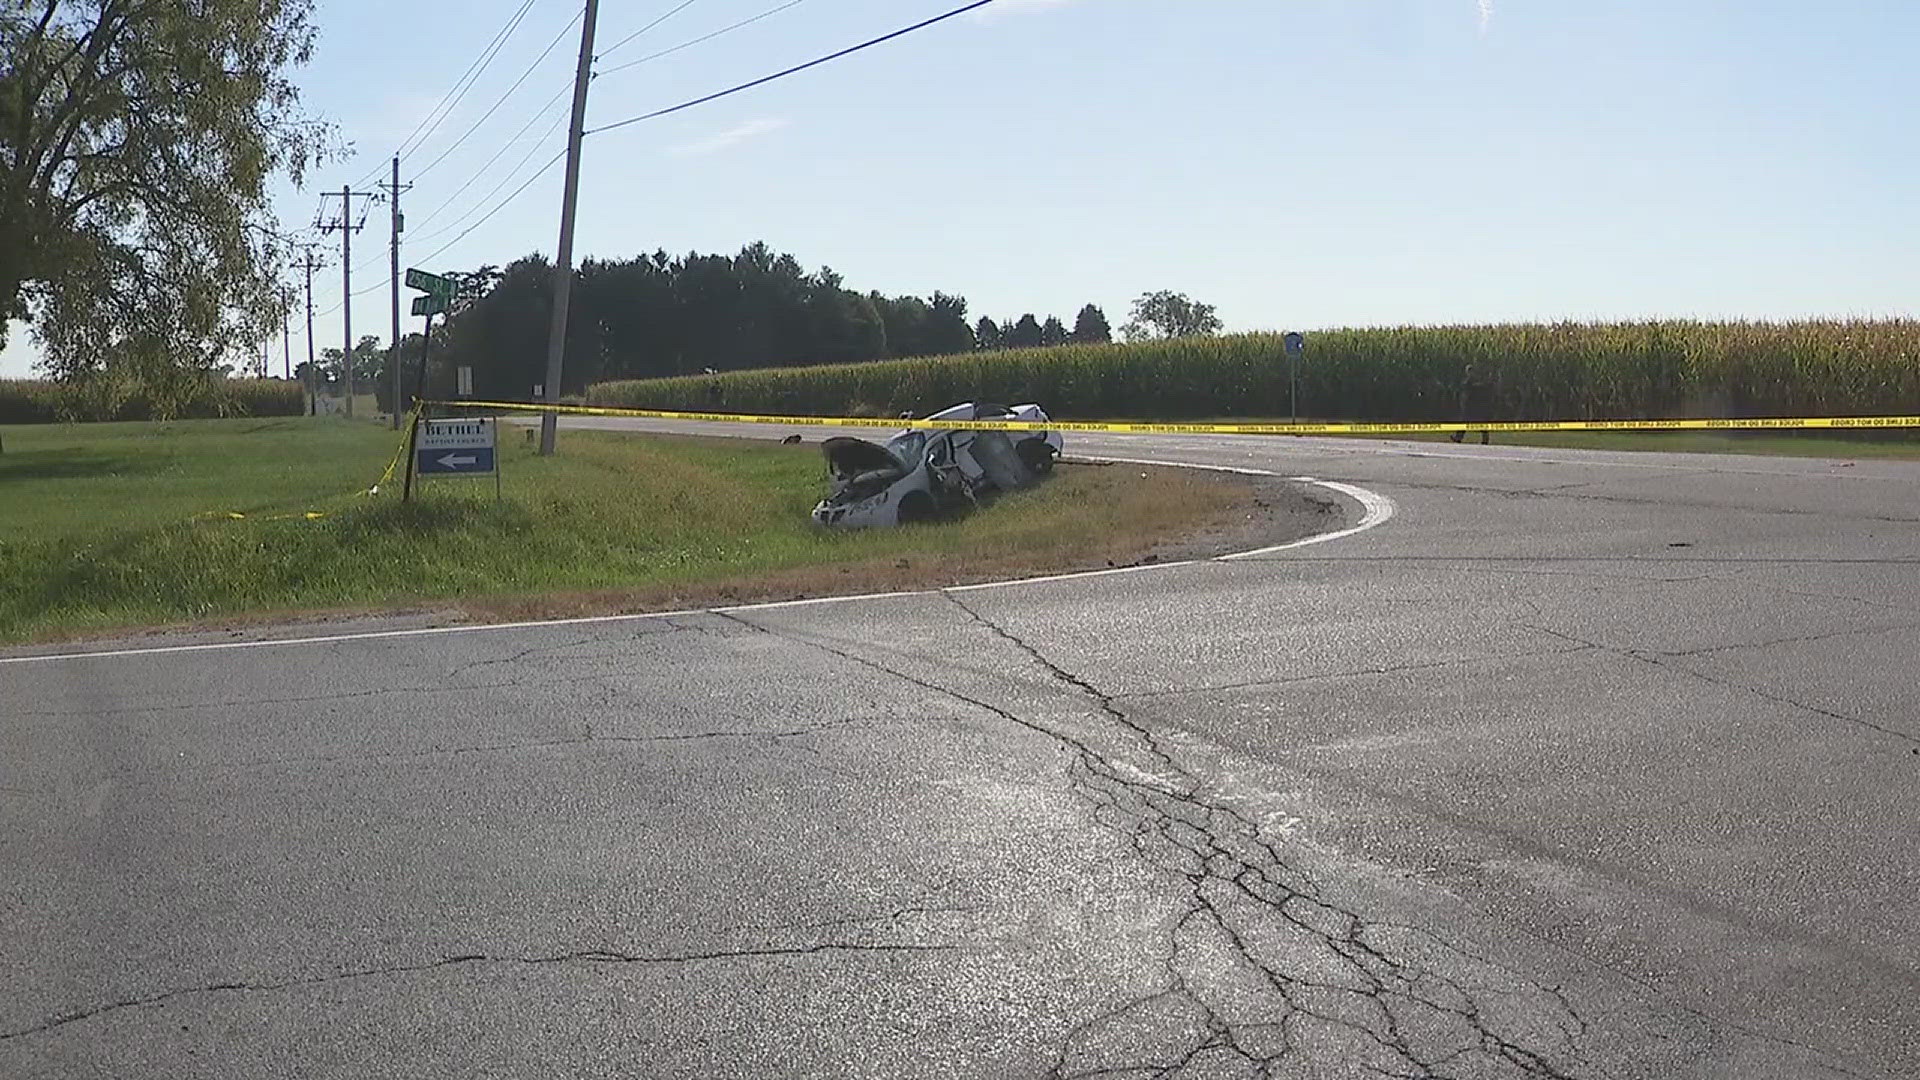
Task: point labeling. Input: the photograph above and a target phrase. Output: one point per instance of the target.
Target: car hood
(848, 458)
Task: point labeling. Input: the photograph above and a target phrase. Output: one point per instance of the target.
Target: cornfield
(42, 401)
(1560, 371)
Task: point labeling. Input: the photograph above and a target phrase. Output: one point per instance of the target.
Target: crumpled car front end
(869, 485)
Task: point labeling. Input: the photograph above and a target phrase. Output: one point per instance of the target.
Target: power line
(468, 81)
(684, 5)
(549, 163)
(381, 284)
(436, 116)
(484, 117)
(537, 114)
(373, 199)
(537, 174)
(505, 145)
(702, 38)
(509, 142)
(796, 69)
(504, 181)
(455, 224)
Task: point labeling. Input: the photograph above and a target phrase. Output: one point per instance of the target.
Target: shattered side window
(908, 447)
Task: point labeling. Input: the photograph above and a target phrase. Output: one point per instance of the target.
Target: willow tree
(138, 138)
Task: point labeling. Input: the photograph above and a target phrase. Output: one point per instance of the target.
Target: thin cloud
(719, 141)
(1486, 14)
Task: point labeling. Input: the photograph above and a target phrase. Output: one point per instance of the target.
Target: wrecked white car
(919, 475)
(1036, 448)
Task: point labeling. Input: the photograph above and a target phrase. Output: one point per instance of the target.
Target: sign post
(413, 438)
(426, 340)
(1296, 348)
(440, 292)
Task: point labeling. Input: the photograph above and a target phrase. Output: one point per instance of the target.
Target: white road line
(1376, 510)
(363, 635)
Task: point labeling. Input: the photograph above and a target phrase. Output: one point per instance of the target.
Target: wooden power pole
(563, 261)
(348, 224)
(393, 347)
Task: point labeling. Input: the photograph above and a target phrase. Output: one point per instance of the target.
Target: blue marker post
(1296, 348)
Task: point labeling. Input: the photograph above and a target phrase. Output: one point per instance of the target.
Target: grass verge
(111, 526)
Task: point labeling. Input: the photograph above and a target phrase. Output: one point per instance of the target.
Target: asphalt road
(1582, 765)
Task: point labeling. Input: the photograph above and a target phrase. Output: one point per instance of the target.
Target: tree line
(660, 315)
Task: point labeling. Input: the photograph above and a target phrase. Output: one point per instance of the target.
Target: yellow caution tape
(315, 515)
(399, 451)
(235, 515)
(1149, 428)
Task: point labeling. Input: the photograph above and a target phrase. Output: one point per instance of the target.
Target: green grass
(59, 481)
(1562, 371)
(105, 526)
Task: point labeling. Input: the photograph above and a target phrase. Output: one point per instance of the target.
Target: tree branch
(32, 47)
(96, 43)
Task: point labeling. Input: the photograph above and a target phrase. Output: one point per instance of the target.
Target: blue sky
(1299, 163)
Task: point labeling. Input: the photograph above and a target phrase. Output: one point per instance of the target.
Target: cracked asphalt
(1583, 765)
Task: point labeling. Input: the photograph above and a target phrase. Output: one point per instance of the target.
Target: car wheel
(1038, 455)
(916, 507)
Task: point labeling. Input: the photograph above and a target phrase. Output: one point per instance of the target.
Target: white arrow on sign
(451, 461)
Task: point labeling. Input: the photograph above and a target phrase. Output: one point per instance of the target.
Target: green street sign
(431, 283)
(429, 305)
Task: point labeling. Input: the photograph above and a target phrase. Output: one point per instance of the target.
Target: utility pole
(563, 262)
(286, 340)
(313, 373)
(346, 291)
(347, 225)
(393, 348)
